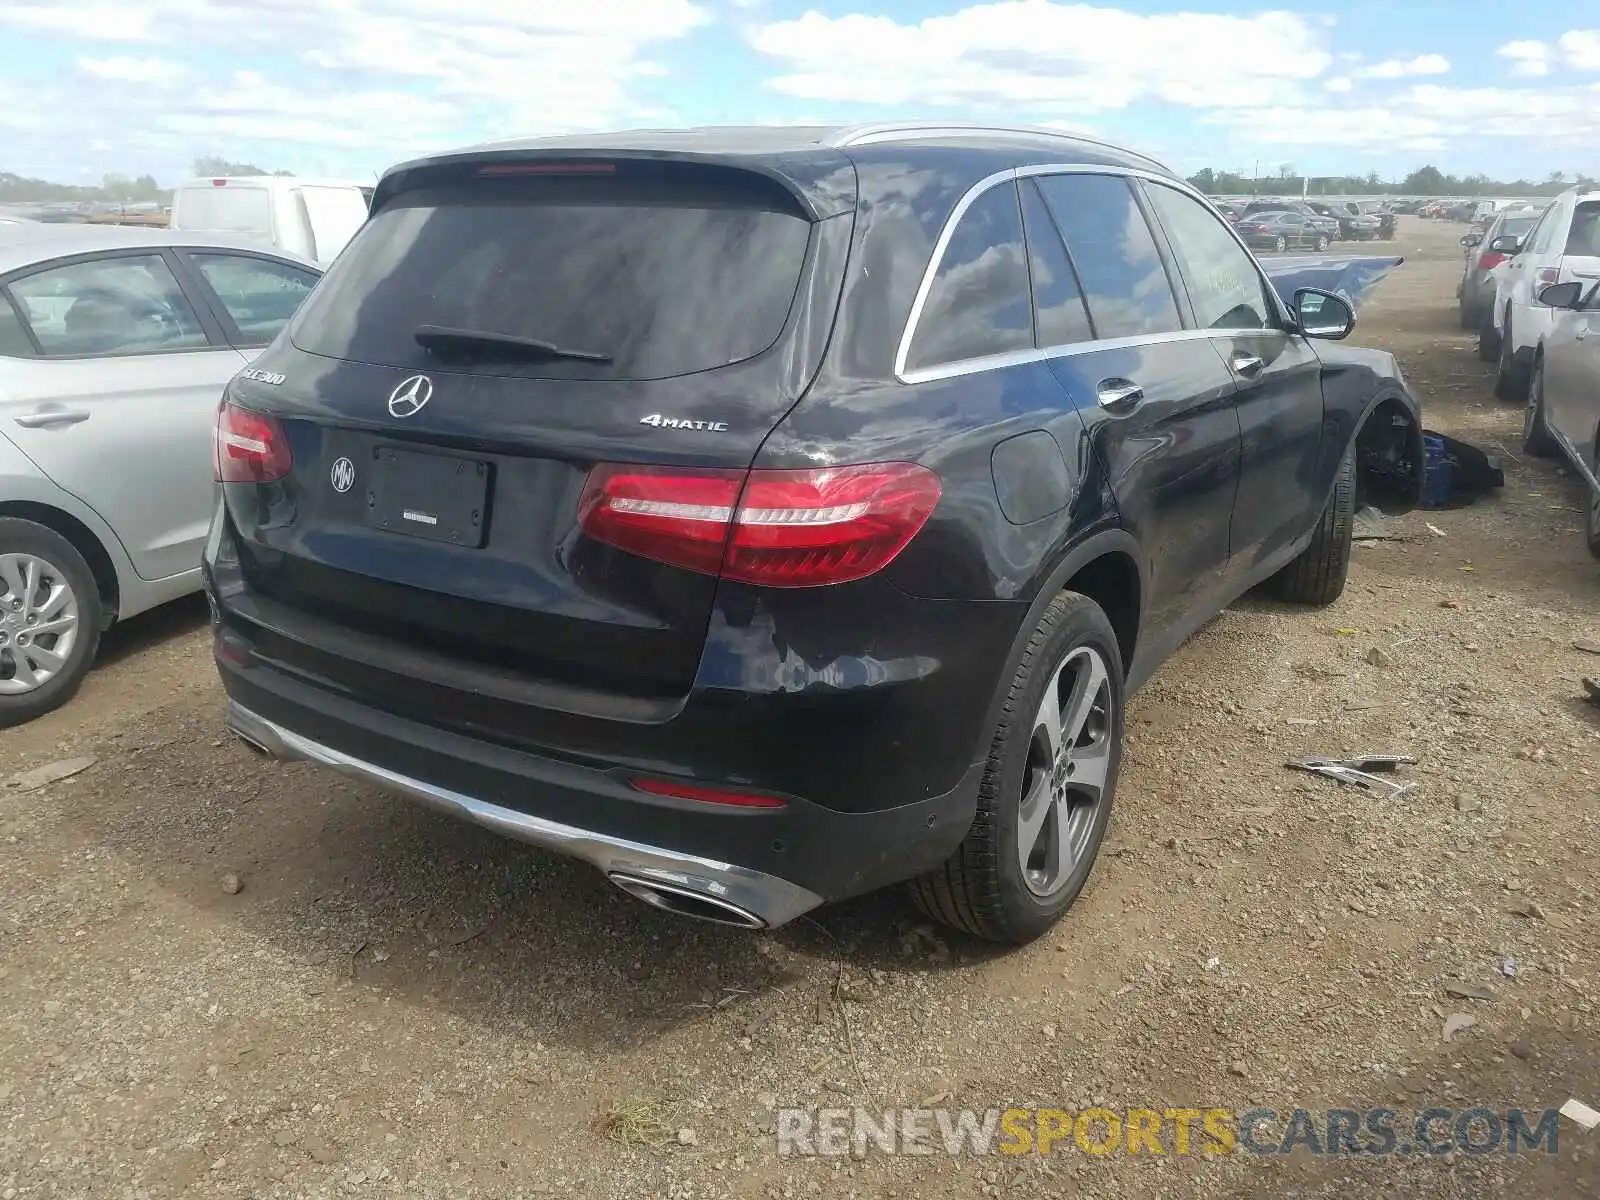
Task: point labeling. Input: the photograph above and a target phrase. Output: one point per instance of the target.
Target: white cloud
(104, 22)
(1045, 56)
(1526, 57)
(1580, 48)
(1338, 83)
(126, 69)
(389, 77)
(1400, 68)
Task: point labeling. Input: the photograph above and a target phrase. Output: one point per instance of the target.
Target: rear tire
(1488, 339)
(1591, 522)
(1318, 575)
(1507, 385)
(1322, 244)
(49, 632)
(1536, 437)
(1280, 244)
(993, 887)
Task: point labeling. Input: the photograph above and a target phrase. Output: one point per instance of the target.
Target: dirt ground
(394, 1004)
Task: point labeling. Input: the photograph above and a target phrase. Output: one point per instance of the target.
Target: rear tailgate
(432, 509)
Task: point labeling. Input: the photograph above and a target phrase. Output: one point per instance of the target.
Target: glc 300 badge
(271, 377)
(661, 422)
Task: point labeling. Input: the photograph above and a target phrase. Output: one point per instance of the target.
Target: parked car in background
(1477, 288)
(755, 590)
(1562, 247)
(1318, 221)
(1355, 225)
(1280, 231)
(1562, 416)
(115, 345)
(309, 218)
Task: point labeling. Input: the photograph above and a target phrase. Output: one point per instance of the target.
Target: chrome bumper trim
(775, 901)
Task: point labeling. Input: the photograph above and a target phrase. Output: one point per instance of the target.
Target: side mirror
(1506, 243)
(1562, 295)
(1323, 315)
(1469, 240)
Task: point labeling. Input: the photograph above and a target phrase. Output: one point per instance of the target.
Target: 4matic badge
(661, 422)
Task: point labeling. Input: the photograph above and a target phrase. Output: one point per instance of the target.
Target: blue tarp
(1355, 279)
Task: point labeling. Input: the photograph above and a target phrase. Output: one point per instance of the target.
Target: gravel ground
(223, 977)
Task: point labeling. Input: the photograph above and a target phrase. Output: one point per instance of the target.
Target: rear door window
(1123, 277)
(662, 278)
(1059, 310)
(259, 294)
(978, 304)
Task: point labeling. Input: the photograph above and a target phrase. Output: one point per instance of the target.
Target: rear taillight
(1490, 260)
(772, 528)
(1545, 276)
(251, 448)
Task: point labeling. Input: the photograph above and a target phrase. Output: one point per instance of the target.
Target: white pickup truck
(312, 218)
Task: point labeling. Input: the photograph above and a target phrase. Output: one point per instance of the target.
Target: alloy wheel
(1068, 762)
(1281, 244)
(38, 622)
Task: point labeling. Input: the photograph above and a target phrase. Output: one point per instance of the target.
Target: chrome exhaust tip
(253, 744)
(686, 902)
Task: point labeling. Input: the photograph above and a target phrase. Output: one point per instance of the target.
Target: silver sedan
(115, 345)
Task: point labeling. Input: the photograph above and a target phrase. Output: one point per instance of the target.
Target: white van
(313, 218)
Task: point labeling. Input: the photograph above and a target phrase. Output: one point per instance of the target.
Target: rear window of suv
(663, 277)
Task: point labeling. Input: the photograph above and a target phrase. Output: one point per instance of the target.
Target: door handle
(1119, 393)
(1248, 365)
(45, 417)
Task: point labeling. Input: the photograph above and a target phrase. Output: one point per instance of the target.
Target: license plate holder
(438, 497)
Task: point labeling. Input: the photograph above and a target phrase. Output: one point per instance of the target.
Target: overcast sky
(347, 87)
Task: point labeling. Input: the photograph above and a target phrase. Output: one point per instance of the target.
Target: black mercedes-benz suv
(769, 515)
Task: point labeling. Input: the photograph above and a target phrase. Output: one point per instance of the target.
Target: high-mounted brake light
(250, 448)
(500, 170)
(705, 794)
(800, 528)
(219, 183)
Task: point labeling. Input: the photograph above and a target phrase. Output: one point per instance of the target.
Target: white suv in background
(1564, 247)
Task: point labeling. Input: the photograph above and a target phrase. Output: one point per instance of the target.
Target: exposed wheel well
(1389, 457)
(82, 539)
(1112, 582)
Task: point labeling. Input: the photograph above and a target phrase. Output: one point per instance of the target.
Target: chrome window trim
(989, 362)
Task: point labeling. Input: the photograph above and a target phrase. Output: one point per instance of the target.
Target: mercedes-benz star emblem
(407, 399)
(343, 475)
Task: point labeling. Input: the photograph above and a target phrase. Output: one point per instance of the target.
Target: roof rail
(900, 131)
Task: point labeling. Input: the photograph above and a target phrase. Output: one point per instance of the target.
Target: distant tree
(1204, 181)
(1425, 181)
(209, 164)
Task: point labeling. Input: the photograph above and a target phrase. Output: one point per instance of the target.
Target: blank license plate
(433, 496)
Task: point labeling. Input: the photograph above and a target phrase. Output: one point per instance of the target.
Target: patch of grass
(634, 1122)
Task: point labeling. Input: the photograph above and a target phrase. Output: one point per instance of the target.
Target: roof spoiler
(1354, 279)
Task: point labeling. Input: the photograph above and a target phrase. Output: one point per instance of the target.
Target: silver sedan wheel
(1064, 789)
(38, 622)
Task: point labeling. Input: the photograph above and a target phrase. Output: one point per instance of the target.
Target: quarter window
(1059, 311)
(979, 302)
(130, 304)
(1123, 277)
(259, 294)
(1224, 285)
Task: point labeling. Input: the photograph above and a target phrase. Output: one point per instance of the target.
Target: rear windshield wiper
(496, 345)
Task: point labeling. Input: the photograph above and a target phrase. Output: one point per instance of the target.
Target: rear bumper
(761, 900)
(772, 864)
